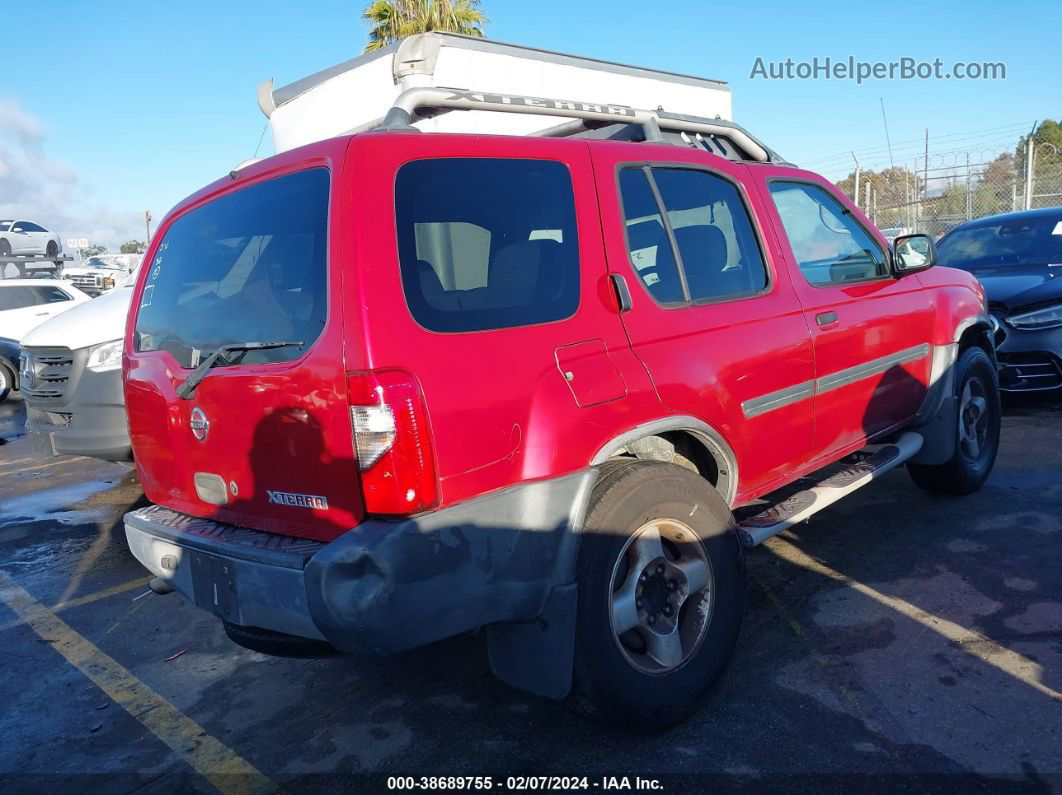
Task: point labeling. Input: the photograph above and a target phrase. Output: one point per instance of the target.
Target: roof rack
(718, 136)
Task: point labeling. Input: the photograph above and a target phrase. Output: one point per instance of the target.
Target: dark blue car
(1018, 259)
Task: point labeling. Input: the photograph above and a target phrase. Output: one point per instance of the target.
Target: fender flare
(711, 439)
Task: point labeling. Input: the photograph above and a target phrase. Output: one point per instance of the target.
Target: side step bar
(795, 509)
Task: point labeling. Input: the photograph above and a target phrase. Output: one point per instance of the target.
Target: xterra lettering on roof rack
(593, 119)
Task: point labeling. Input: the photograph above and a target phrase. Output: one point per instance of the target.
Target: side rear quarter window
(487, 243)
(830, 246)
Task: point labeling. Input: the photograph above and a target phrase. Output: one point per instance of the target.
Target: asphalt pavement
(897, 640)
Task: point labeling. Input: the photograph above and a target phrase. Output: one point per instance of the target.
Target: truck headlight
(105, 356)
(1048, 317)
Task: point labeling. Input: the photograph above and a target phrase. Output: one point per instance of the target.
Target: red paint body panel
(874, 319)
(501, 409)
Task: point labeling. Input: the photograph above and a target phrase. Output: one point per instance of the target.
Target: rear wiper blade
(225, 354)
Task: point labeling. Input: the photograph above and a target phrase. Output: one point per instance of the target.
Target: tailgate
(264, 440)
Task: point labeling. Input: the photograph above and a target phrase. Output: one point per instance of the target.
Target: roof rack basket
(718, 136)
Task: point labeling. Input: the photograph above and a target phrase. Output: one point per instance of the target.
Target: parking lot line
(114, 590)
(12, 466)
(985, 649)
(216, 762)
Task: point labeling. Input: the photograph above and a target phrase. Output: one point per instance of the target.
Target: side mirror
(17, 229)
(913, 253)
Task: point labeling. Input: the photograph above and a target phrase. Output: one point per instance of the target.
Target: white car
(26, 303)
(71, 379)
(25, 238)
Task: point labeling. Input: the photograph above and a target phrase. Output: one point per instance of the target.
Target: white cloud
(36, 187)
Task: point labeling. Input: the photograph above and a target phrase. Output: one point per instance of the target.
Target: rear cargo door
(264, 440)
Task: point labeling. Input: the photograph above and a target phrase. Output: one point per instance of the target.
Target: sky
(124, 107)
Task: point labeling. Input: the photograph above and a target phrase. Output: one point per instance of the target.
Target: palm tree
(392, 20)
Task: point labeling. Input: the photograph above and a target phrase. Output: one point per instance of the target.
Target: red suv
(396, 386)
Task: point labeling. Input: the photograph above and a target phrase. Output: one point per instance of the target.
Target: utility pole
(855, 184)
(925, 169)
(1030, 167)
(907, 201)
(1030, 153)
(968, 205)
(147, 222)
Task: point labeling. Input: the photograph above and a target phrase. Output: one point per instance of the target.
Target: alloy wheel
(662, 596)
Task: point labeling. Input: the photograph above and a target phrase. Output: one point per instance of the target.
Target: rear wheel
(976, 431)
(52, 250)
(661, 596)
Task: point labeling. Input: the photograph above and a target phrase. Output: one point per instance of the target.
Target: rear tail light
(392, 442)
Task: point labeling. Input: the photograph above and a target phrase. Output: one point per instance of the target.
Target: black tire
(51, 250)
(277, 644)
(7, 382)
(965, 472)
(608, 686)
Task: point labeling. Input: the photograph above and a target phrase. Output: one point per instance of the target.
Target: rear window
(487, 243)
(249, 266)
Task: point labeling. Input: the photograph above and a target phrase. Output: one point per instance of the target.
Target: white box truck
(357, 94)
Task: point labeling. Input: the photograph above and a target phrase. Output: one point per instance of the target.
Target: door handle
(826, 318)
(623, 293)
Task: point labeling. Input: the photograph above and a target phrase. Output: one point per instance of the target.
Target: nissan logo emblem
(199, 424)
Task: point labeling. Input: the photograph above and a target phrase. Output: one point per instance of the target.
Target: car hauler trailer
(356, 95)
(33, 266)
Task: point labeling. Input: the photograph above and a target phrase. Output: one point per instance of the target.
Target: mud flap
(536, 656)
(939, 434)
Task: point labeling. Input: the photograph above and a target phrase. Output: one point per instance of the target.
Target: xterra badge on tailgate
(298, 500)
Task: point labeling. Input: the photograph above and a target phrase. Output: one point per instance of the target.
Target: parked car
(28, 238)
(101, 272)
(72, 379)
(1018, 259)
(26, 303)
(395, 386)
(9, 356)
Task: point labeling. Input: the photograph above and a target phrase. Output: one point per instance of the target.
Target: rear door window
(249, 266)
(487, 243)
(718, 255)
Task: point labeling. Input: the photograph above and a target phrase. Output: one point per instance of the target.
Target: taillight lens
(392, 442)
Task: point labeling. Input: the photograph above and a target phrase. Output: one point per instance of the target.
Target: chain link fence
(934, 195)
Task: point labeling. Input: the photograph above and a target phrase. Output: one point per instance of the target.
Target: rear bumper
(386, 585)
